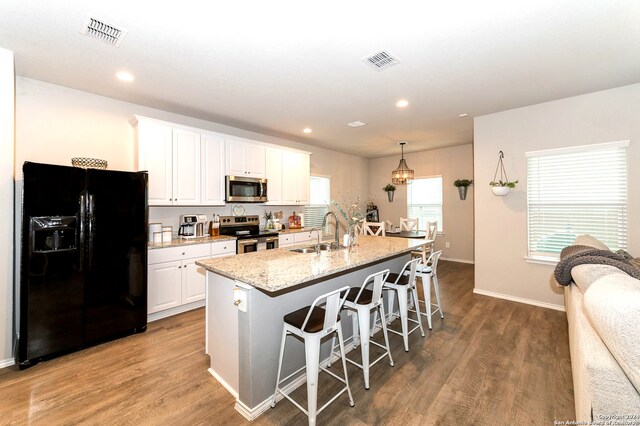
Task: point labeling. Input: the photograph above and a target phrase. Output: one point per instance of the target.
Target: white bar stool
(362, 300)
(312, 323)
(427, 272)
(404, 284)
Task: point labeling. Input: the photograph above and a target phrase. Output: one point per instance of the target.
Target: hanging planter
(462, 185)
(390, 190)
(501, 186)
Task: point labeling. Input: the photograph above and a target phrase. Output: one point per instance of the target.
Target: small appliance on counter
(192, 225)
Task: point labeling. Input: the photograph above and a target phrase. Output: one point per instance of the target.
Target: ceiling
(278, 67)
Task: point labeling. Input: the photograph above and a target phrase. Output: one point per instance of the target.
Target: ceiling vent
(381, 60)
(97, 29)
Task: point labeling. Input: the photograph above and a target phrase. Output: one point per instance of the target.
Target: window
(424, 200)
(573, 191)
(319, 199)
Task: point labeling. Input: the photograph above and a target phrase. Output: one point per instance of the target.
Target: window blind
(424, 201)
(319, 199)
(574, 191)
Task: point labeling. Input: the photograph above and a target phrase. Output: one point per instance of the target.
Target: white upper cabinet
(245, 158)
(274, 176)
(212, 154)
(295, 178)
(186, 167)
(155, 155)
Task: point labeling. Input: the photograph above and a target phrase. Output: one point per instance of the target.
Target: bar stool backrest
(433, 261)
(410, 266)
(378, 281)
(333, 303)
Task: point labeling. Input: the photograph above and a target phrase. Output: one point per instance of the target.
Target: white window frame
(422, 221)
(553, 204)
(309, 220)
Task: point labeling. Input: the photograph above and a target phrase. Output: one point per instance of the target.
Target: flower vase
(353, 236)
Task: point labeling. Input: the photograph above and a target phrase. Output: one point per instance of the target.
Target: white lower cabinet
(291, 238)
(175, 283)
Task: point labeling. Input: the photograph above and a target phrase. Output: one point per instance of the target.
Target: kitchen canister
(153, 228)
(167, 232)
(157, 237)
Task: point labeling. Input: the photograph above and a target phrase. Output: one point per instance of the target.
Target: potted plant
(462, 185)
(501, 187)
(390, 190)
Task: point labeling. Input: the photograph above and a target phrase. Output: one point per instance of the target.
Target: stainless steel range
(247, 230)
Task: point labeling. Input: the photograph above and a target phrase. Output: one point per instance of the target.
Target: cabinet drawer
(223, 247)
(302, 237)
(285, 239)
(170, 254)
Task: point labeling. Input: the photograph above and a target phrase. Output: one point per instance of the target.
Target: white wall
(501, 222)
(452, 163)
(7, 102)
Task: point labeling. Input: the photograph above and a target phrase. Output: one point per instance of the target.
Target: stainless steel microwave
(240, 189)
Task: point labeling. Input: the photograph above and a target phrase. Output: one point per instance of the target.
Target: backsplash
(170, 216)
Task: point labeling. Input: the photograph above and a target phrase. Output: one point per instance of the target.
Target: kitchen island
(248, 295)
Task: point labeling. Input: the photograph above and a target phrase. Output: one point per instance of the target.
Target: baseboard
(7, 362)
(453, 259)
(253, 413)
(175, 311)
(519, 300)
(223, 383)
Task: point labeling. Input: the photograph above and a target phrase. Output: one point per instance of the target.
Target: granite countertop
(177, 242)
(275, 270)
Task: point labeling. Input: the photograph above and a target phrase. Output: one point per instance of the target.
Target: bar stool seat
(312, 324)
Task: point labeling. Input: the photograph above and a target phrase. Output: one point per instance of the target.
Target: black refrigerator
(83, 272)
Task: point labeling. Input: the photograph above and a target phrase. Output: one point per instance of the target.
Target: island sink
(317, 247)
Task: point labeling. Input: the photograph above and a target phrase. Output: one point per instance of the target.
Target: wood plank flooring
(489, 362)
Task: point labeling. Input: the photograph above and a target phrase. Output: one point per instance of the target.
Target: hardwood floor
(489, 362)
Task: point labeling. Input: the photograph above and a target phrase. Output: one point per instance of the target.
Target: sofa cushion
(585, 275)
(612, 304)
(588, 240)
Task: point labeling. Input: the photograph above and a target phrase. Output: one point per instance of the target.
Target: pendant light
(402, 175)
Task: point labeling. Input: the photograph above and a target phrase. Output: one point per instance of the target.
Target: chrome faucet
(324, 223)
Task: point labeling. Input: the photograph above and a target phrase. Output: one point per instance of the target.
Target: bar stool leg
(403, 308)
(384, 332)
(275, 393)
(426, 288)
(344, 365)
(437, 290)
(392, 295)
(356, 339)
(416, 302)
(312, 355)
(364, 318)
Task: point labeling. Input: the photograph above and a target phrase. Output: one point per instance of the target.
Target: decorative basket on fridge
(89, 163)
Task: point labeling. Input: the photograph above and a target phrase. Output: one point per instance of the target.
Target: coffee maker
(192, 225)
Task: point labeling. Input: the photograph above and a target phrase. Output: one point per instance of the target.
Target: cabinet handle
(179, 267)
(183, 253)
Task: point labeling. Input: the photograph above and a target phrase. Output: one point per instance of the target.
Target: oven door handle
(247, 242)
(271, 239)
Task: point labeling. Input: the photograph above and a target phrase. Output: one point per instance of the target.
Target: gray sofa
(603, 312)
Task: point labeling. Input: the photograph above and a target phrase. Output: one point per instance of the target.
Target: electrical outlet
(447, 244)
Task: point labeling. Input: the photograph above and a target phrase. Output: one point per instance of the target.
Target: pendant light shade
(402, 175)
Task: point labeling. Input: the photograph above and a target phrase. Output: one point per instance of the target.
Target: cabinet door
(193, 281)
(303, 179)
(186, 161)
(164, 286)
(155, 155)
(235, 158)
(254, 160)
(274, 176)
(290, 173)
(212, 154)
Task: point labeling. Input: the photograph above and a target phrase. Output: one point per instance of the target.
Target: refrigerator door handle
(91, 233)
(82, 230)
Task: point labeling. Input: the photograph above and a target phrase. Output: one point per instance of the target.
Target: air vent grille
(381, 60)
(109, 34)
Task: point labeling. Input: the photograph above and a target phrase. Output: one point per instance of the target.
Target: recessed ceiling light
(402, 103)
(125, 76)
(356, 123)
(463, 115)
(307, 130)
